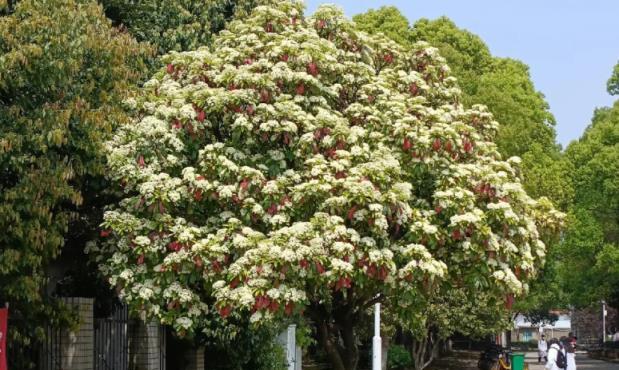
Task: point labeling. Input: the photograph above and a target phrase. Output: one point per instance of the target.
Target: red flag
(4, 315)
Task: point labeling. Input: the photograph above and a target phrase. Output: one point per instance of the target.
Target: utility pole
(376, 341)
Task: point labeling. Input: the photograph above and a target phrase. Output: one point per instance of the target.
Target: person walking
(571, 353)
(542, 349)
(556, 356)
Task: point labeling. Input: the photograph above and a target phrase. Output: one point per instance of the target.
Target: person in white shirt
(570, 350)
(551, 364)
(542, 349)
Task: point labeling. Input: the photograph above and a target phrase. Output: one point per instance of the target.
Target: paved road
(583, 362)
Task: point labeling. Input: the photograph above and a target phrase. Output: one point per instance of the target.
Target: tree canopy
(613, 82)
(65, 71)
(300, 167)
(592, 239)
(175, 25)
(504, 85)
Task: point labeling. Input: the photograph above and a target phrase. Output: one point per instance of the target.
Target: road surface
(583, 362)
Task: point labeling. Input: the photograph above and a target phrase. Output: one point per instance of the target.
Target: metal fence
(50, 355)
(111, 349)
(110, 340)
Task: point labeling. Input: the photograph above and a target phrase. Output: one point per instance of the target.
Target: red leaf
(141, 162)
(274, 306)
(141, 259)
(312, 69)
(509, 301)
(265, 95)
(170, 68)
(225, 311)
(201, 116)
(436, 145)
(289, 308)
(272, 209)
(320, 268)
(382, 273)
(351, 212)
(300, 89)
(244, 184)
(407, 144)
(105, 233)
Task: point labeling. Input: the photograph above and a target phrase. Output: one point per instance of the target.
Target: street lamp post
(376, 341)
(603, 321)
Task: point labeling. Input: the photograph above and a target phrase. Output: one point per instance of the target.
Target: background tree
(387, 20)
(592, 240)
(527, 127)
(613, 82)
(64, 73)
(298, 166)
(177, 25)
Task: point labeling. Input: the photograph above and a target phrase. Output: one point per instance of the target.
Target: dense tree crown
(178, 25)
(505, 87)
(299, 165)
(64, 74)
(591, 247)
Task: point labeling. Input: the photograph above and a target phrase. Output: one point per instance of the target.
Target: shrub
(398, 358)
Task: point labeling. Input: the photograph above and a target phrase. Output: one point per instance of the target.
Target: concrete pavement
(583, 362)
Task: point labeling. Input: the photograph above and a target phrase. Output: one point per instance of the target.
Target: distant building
(525, 331)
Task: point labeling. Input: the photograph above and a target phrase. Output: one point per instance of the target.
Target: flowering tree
(300, 167)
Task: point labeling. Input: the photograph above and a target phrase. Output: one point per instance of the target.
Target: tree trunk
(326, 341)
(424, 351)
(338, 340)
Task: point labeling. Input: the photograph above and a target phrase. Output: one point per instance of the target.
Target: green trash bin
(517, 361)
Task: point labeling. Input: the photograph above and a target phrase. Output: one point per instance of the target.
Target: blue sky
(571, 46)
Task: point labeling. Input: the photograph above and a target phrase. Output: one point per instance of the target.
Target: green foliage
(64, 71)
(252, 349)
(177, 25)
(503, 85)
(613, 83)
(590, 249)
(467, 55)
(547, 173)
(584, 239)
(387, 20)
(398, 358)
(508, 91)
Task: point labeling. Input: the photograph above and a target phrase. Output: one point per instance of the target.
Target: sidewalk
(583, 362)
(531, 359)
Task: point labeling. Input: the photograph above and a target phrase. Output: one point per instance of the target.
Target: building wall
(527, 334)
